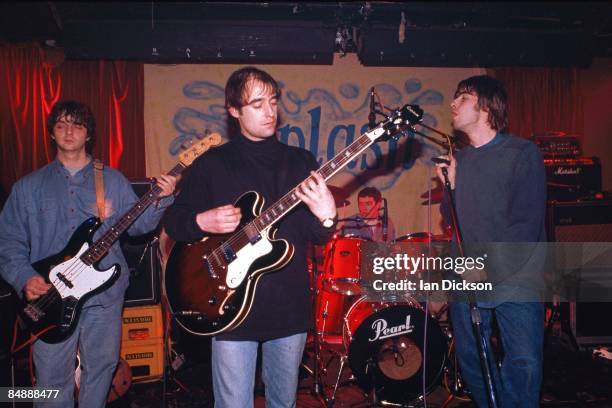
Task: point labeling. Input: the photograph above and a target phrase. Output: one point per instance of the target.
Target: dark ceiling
(381, 33)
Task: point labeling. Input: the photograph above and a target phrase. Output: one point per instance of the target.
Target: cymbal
(339, 196)
(436, 196)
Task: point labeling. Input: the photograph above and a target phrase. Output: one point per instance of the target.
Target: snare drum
(341, 267)
(385, 343)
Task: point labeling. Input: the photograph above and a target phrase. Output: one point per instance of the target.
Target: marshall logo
(382, 330)
(137, 319)
(561, 171)
(138, 356)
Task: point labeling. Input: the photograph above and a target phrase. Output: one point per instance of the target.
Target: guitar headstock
(198, 148)
(398, 121)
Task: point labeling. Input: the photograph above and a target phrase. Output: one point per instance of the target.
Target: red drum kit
(395, 350)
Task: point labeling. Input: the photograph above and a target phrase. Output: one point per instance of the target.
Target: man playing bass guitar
(44, 209)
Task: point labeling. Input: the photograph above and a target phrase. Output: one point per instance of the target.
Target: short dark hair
(80, 114)
(491, 95)
(237, 85)
(370, 192)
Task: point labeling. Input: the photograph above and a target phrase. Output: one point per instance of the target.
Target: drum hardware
(382, 346)
(389, 369)
(318, 389)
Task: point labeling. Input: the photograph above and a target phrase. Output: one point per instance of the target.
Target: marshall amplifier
(558, 145)
(571, 179)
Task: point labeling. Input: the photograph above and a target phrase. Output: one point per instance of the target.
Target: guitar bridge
(34, 313)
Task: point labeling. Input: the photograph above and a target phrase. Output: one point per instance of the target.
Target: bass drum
(386, 349)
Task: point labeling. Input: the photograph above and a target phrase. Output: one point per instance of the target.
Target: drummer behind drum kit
(396, 350)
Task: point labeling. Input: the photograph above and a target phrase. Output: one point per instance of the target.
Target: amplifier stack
(142, 342)
(569, 175)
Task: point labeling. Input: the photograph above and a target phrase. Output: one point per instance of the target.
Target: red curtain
(32, 80)
(542, 100)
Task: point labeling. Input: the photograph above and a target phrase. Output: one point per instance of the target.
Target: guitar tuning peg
(187, 144)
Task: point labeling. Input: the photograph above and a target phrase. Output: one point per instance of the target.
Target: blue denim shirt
(47, 206)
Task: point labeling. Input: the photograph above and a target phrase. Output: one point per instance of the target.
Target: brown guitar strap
(99, 177)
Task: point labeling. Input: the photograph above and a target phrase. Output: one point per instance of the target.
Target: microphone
(372, 115)
(385, 220)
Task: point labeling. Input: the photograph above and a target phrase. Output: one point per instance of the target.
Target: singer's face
(257, 118)
(368, 207)
(467, 116)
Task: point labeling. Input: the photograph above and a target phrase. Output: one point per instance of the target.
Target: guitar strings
(58, 285)
(286, 200)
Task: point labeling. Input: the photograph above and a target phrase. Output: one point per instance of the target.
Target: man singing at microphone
(371, 223)
(499, 189)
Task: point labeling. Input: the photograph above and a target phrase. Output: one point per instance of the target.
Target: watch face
(328, 223)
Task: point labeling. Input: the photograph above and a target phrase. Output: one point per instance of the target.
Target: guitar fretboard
(101, 246)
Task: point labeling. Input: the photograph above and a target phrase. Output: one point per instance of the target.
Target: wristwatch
(329, 222)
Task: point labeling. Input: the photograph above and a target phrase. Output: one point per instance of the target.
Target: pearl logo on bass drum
(382, 331)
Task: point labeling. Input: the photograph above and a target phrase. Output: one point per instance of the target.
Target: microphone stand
(481, 341)
(385, 221)
(372, 114)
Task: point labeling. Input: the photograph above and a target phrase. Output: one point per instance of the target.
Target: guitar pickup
(228, 252)
(211, 270)
(252, 233)
(65, 280)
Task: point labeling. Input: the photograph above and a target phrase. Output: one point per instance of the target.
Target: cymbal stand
(343, 359)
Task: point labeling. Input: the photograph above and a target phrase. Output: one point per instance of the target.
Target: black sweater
(282, 300)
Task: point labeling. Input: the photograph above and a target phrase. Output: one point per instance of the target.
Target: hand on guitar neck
(316, 195)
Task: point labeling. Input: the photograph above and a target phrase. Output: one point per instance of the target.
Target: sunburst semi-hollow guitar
(72, 272)
(210, 284)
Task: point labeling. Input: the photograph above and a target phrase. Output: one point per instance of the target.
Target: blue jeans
(98, 339)
(233, 369)
(521, 328)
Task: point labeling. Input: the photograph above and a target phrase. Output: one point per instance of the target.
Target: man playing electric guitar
(255, 160)
(42, 212)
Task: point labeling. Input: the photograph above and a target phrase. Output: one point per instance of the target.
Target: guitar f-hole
(229, 293)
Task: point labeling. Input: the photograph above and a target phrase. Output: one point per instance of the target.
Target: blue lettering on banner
(320, 124)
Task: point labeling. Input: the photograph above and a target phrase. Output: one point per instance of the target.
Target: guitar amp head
(558, 145)
(571, 179)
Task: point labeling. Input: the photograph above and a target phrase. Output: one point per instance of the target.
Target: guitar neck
(281, 207)
(101, 246)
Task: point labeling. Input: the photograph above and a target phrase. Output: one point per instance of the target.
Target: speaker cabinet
(141, 255)
(577, 221)
(142, 342)
(584, 222)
